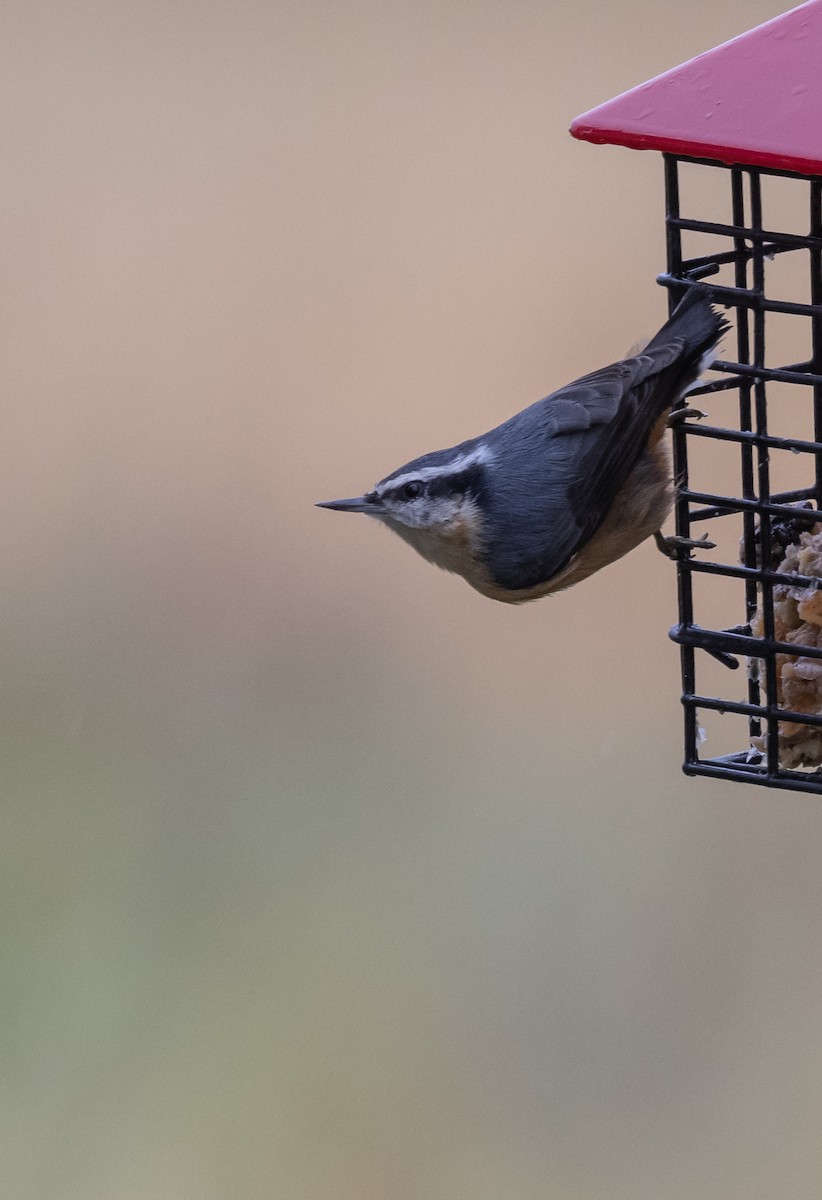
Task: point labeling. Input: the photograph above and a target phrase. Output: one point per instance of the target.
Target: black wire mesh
(764, 519)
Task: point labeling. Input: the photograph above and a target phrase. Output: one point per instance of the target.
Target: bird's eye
(412, 490)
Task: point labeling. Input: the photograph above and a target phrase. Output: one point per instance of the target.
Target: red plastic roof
(756, 100)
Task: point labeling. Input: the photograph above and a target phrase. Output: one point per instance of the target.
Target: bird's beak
(362, 504)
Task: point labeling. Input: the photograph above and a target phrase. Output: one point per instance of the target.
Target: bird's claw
(673, 546)
(682, 414)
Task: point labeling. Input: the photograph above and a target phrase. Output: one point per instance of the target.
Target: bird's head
(434, 503)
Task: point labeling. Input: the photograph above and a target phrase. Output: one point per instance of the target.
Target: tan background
(325, 878)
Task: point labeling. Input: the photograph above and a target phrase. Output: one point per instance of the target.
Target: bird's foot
(682, 414)
(673, 546)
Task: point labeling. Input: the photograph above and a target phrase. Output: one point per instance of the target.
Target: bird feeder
(740, 131)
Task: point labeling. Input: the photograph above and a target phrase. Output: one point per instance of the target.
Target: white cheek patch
(423, 513)
(441, 510)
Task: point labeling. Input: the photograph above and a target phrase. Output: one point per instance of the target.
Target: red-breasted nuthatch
(562, 488)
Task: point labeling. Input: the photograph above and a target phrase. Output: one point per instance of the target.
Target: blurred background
(325, 878)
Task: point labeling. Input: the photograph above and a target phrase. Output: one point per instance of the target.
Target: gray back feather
(558, 465)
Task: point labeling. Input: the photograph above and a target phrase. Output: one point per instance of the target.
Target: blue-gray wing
(562, 461)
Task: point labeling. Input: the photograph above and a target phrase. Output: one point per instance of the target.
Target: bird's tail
(697, 324)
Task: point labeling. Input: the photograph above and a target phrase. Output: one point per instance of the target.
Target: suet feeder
(745, 120)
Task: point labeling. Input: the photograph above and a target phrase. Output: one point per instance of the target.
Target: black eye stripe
(453, 485)
(448, 483)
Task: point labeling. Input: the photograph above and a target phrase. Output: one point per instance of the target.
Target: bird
(567, 485)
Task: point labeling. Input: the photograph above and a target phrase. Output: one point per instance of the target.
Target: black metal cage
(768, 419)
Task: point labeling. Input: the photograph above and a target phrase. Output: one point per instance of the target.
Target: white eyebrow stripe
(481, 455)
